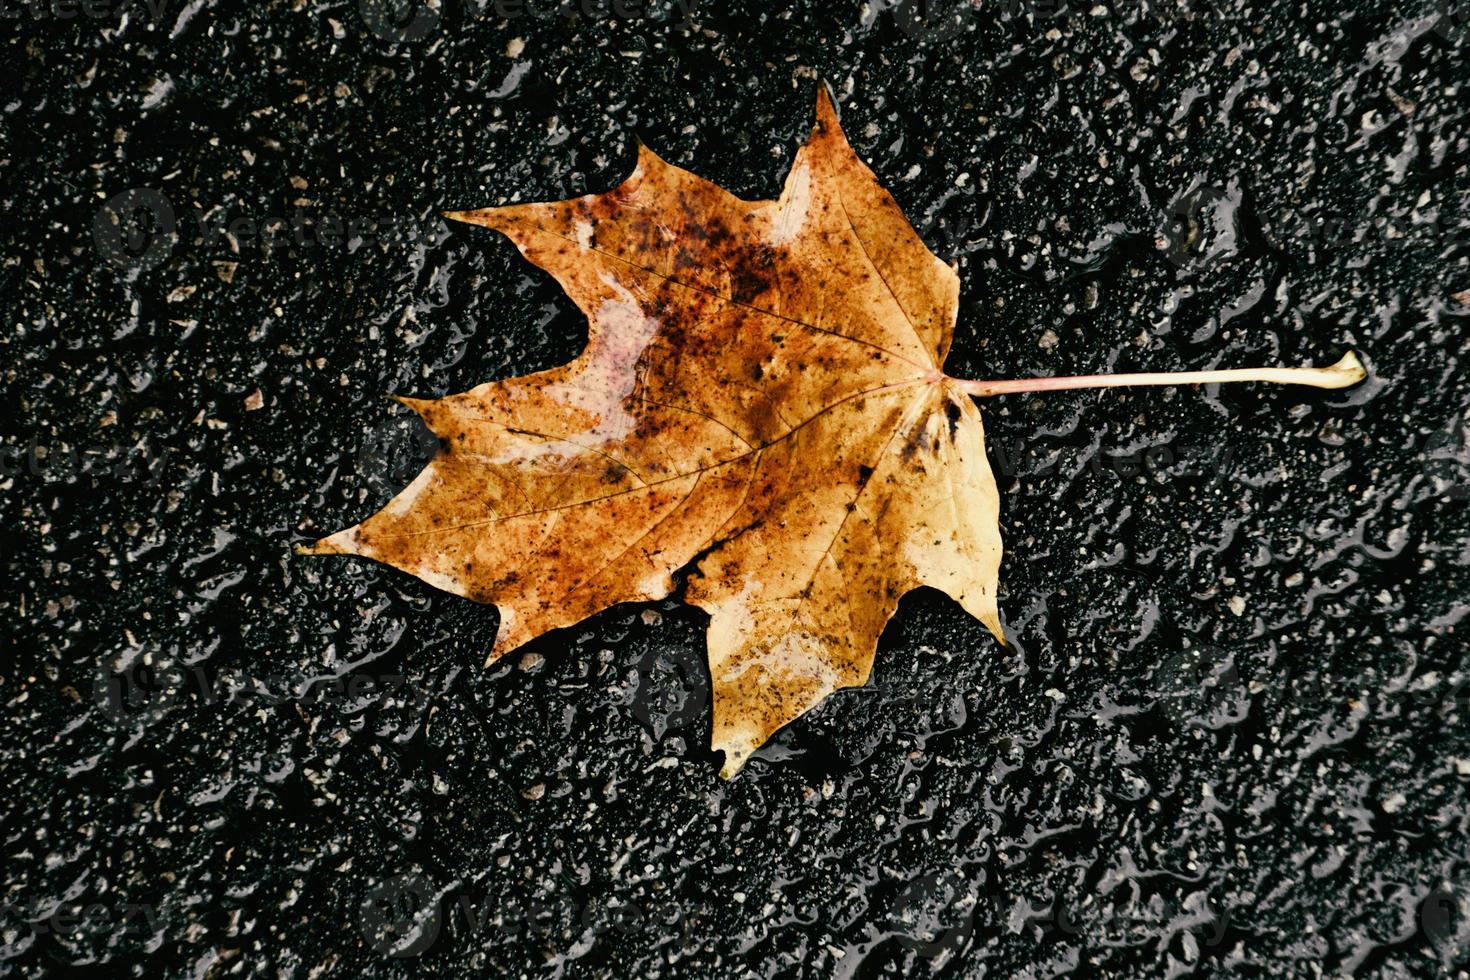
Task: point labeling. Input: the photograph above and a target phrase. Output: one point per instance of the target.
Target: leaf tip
(476, 216)
(511, 634)
(737, 748)
(420, 406)
(826, 107)
(344, 542)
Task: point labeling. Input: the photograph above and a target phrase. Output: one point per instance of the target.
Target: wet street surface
(1231, 732)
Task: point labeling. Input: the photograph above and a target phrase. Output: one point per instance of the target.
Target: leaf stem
(1345, 373)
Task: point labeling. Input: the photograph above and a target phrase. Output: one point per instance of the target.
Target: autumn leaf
(762, 395)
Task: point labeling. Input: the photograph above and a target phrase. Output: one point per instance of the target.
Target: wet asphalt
(1229, 736)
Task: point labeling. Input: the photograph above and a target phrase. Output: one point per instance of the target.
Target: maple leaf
(762, 390)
